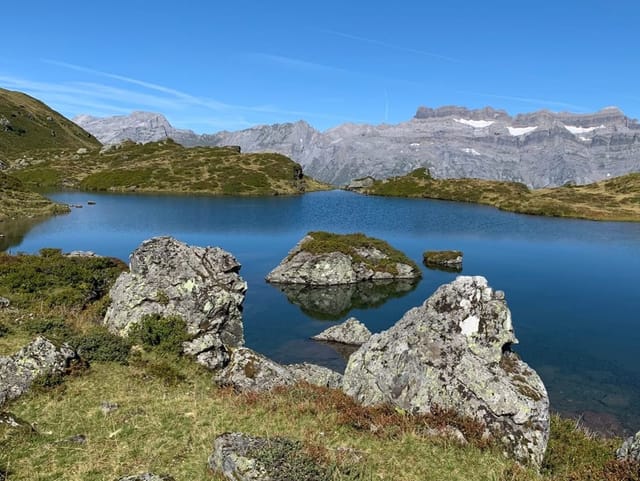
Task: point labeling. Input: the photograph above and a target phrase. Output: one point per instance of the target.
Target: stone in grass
(445, 260)
(325, 259)
(454, 352)
(351, 331)
(38, 358)
(147, 477)
(630, 449)
(240, 457)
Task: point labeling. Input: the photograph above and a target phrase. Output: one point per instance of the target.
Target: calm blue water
(572, 286)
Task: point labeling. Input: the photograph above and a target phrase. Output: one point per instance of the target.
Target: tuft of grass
(349, 244)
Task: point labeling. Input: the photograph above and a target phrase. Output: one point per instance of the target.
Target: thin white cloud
(392, 46)
(298, 63)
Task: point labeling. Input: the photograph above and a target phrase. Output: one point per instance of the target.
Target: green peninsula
(616, 199)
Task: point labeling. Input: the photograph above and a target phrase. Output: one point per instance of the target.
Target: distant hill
(539, 149)
(16, 201)
(616, 199)
(26, 125)
(168, 167)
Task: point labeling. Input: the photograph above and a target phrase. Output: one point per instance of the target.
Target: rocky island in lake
(327, 259)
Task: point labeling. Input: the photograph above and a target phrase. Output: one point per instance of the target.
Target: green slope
(18, 202)
(26, 124)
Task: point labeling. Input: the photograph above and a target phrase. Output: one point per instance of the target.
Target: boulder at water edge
(630, 449)
(454, 352)
(325, 259)
(351, 331)
(40, 357)
(200, 284)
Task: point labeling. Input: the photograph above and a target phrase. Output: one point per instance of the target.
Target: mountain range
(539, 149)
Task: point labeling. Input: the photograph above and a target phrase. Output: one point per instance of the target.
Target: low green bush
(156, 332)
(101, 345)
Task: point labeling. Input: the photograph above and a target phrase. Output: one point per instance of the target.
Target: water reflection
(332, 303)
(12, 232)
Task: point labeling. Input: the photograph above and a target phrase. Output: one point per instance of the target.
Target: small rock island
(447, 260)
(326, 259)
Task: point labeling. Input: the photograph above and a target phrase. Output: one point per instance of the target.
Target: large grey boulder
(454, 352)
(199, 284)
(356, 261)
(351, 331)
(39, 357)
(630, 449)
(240, 457)
(248, 370)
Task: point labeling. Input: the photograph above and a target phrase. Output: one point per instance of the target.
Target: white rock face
(550, 155)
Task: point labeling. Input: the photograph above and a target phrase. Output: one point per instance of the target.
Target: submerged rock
(323, 258)
(200, 284)
(454, 352)
(351, 331)
(251, 371)
(240, 457)
(40, 357)
(630, 449)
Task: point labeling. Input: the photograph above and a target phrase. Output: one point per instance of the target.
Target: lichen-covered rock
(147, 477)
(199, 284)
(40, 357)
(324, 259)
(630, 449)
(317, 375)
(4, 302)
(248, 370)
(454, 352)
(10, 421)
(351, 331)
(240, 457)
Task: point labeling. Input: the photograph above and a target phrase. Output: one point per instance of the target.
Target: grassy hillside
(26, 124)
(616, 199)
(166, 166)
(168, 412)
(18, 202)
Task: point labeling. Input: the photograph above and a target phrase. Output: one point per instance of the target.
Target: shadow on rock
(332, 303)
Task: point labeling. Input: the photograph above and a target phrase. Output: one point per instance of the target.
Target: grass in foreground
(169, 412)
(615, 199)
(166, 166)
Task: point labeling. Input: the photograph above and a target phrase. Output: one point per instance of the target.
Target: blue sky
(213, 66)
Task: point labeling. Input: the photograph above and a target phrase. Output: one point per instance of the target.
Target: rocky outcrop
(351, 331)
(445, 260)
(251, 371)
(200, 284)
(240, 457)
(322, 258)
(630, 449)
(454, 352)
(37, 358)
(539, 149)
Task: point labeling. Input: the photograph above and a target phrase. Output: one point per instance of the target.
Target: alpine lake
(573, 286)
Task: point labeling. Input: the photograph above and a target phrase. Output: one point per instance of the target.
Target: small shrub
(53, 328)
(169, 372)
(4, 330)
(101, 345)
(165, 334)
